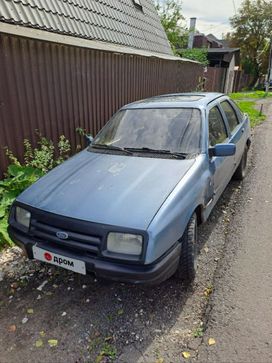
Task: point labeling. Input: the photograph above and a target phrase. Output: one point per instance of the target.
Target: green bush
(19, 176)
(196, 54)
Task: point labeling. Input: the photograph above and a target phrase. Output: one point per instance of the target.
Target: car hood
(116, 190)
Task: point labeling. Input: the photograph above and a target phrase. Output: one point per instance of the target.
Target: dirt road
(97, 322)
(240, 316)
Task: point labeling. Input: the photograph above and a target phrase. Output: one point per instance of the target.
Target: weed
(19, 176)
(199, 332)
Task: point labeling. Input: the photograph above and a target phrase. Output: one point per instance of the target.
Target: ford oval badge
(62, 235)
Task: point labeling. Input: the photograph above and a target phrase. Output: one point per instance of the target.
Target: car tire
(241, 170)
(187, 265)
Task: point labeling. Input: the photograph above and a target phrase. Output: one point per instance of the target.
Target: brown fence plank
(55, 88)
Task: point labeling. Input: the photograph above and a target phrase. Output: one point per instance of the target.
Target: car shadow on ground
(92, 320)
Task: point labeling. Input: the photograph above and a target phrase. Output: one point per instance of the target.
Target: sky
(212, 15)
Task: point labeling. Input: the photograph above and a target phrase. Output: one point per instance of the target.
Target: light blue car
(127, 207)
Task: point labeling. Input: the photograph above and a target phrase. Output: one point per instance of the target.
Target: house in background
(220, 55)
(72, 63)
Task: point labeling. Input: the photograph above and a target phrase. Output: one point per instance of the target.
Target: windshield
(175, 129)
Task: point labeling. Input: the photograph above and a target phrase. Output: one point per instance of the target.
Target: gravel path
(101, 322)
(240, 316)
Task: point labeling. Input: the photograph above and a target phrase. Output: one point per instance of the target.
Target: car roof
(176, 100)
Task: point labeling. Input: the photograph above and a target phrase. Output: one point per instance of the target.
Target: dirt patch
(99, 321)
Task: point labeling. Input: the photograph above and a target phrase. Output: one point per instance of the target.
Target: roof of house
(112, 21)
(224, 54)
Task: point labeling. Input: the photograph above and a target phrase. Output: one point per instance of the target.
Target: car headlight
(22, 216)
(126, 243)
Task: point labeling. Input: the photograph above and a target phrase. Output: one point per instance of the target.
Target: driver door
(221, 168)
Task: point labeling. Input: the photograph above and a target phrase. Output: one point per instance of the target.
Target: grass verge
(251, 94)
(247, 103)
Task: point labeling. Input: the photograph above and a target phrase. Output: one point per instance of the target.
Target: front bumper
(152, 274)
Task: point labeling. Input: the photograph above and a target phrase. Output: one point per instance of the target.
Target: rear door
(221, 168)
(237, 131)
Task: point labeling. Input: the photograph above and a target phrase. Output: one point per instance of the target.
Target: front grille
(76, 241)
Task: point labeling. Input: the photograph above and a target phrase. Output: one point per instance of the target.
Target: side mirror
(89, 139)
(222, 150)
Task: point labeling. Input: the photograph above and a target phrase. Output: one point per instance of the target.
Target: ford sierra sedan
(127, 207)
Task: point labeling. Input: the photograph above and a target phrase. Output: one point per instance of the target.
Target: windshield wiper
(110, 147)
(157, 151)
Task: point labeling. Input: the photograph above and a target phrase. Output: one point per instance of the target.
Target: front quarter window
(172, 129)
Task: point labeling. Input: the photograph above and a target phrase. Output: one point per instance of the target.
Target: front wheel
(241, 171)
(187, 265)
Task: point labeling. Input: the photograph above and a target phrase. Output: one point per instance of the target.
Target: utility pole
(191, 32)
(269, 70)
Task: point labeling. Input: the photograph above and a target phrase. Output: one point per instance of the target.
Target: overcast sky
(212, 15)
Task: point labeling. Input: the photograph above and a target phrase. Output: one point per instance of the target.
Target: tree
(198, 54)
(170, 12)
(252, 30)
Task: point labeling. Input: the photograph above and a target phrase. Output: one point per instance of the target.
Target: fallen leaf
(186, 355)
(208, 291)
(52, 342)
(42, 285)
(30, 311)
(211, 341)
(39, 343)
(120, 312)
(64, 313)
(160, 360)
(42, 333)
(12, 328)
(24, 320)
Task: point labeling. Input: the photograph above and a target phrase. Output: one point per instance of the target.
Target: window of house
(217, 129)
(138, 4)
(230, 114)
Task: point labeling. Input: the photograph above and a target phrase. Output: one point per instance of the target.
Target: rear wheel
(241, 171)
(188, 259)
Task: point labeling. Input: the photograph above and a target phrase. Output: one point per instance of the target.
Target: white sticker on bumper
(59, 260)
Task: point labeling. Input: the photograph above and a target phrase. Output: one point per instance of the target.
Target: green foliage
(199, 332)
(170, 13)
(19, 176)
(247, 103)
(81, 131)
(252, 28)
(108, 351)
(256, 94)
(45, 156)
(197, 54)
(250, 108)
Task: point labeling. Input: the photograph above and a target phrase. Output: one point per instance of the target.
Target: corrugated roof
(113, 21)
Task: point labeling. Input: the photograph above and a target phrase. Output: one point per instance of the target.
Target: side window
(231, 115)
(239, 113)
(217, 129)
